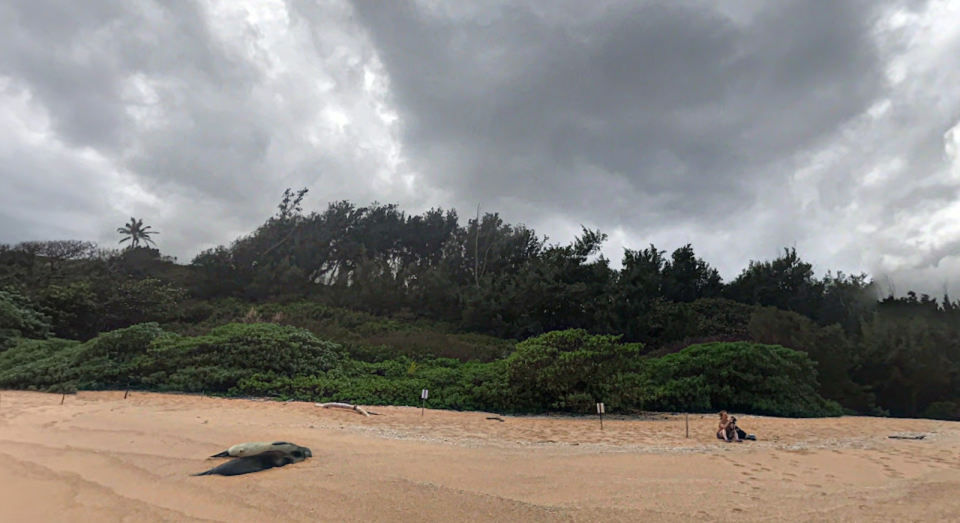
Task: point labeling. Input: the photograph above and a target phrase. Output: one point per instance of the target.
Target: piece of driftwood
(344, 406)
(908, 437)
(495, 418)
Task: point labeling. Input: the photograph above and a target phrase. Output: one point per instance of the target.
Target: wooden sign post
(423, 400)
(600, 413)
(63, 398)
(687, 421)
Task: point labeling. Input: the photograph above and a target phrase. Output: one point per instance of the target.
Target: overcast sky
(740, 126)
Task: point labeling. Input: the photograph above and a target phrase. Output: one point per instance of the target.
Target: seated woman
(728, 428)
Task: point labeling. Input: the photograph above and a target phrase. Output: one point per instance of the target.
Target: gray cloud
(203, 112)
(688, 121)
(677, 100)
(741, 126)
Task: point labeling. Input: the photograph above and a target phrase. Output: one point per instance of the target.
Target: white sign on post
(599, 408)
(424, 394)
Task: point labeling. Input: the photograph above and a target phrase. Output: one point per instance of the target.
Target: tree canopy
(432, 273)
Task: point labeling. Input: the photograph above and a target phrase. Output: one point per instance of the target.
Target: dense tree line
(873, 354)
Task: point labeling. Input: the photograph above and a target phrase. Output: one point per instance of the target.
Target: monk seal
(263, 461)
(256, 447)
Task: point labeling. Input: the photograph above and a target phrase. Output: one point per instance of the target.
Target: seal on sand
(257, 447)
(263, 461)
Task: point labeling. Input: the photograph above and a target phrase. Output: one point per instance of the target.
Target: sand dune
(100, 458)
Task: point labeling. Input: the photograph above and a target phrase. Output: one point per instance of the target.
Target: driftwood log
(346, 406)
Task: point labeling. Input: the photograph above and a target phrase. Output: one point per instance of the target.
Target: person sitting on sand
(728, 428)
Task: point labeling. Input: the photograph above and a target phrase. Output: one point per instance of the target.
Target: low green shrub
(942, 410)
(44, 365)
(570, 371)
(363, 336)
(462, 386)
(218, 361)
(558, 371)
(741, 376)
(19, 318)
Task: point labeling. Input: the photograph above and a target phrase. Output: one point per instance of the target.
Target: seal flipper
(224, 454)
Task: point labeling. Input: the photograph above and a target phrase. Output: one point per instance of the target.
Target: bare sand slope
(100, 458)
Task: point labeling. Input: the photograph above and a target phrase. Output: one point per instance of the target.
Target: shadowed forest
(368, 304)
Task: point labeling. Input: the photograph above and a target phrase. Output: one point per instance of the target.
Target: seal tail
(205, 473)
(224, 454)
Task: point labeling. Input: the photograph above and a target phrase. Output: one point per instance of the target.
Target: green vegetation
(558, 371)
(370, 305)
(18, 319)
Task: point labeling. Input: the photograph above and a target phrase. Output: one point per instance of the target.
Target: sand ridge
(101, 458)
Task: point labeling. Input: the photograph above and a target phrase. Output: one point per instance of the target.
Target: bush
(741, 376)
(45, 365)
(144, 356)
(562, 370)
(19, 319)
(570, 370)
(363, 336)
(218, 361)
(942, 410)
(453, 385)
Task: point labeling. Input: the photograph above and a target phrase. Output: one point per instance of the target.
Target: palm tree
(135, 232)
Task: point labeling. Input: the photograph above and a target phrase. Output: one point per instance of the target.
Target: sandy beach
(100, 458)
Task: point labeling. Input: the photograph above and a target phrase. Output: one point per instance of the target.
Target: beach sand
(100, 458)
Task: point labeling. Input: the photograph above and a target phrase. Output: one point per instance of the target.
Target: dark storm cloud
(677, 101)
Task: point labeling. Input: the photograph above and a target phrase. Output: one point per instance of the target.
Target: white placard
(424, 394)
(600, 408)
